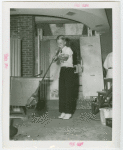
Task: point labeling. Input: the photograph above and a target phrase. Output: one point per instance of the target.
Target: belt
(110, 68)
(66, 67)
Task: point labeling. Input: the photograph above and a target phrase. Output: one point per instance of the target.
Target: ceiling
(52, 20)
(96, 19)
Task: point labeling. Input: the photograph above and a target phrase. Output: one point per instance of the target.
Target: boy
(66, 79)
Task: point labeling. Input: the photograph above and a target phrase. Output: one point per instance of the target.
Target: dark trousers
(66, 90)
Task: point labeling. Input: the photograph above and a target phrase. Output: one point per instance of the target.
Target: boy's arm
(64, 57)
(67, 54)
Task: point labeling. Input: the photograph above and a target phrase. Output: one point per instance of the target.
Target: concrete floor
(46, 126)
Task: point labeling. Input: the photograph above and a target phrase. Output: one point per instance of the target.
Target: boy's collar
(64, 47)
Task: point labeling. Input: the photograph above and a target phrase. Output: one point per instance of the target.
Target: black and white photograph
(60, 65)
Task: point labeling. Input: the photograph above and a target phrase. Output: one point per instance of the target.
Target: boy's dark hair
(62, 37)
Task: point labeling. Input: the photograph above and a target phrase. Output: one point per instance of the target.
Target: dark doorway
(75, 46)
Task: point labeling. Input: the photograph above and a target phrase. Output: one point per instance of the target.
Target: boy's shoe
(61, 116)
(67, 116)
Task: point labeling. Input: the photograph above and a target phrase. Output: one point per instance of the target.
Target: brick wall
(23, 27)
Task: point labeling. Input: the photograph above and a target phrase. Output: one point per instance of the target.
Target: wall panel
(15, 54)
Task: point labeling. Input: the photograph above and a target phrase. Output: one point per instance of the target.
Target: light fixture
(99, 25)
(70, 13)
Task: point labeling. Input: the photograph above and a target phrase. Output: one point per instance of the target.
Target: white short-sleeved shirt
(69, 62)
(108, 61)
(108, 65)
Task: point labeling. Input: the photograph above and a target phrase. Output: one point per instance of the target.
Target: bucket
(105, 113)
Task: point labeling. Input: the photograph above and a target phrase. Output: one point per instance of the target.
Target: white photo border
(115, 143)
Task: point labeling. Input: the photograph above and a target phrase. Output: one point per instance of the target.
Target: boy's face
(61, 43)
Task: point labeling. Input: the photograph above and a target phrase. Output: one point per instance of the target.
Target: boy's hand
(55, 58)
(63, 57)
